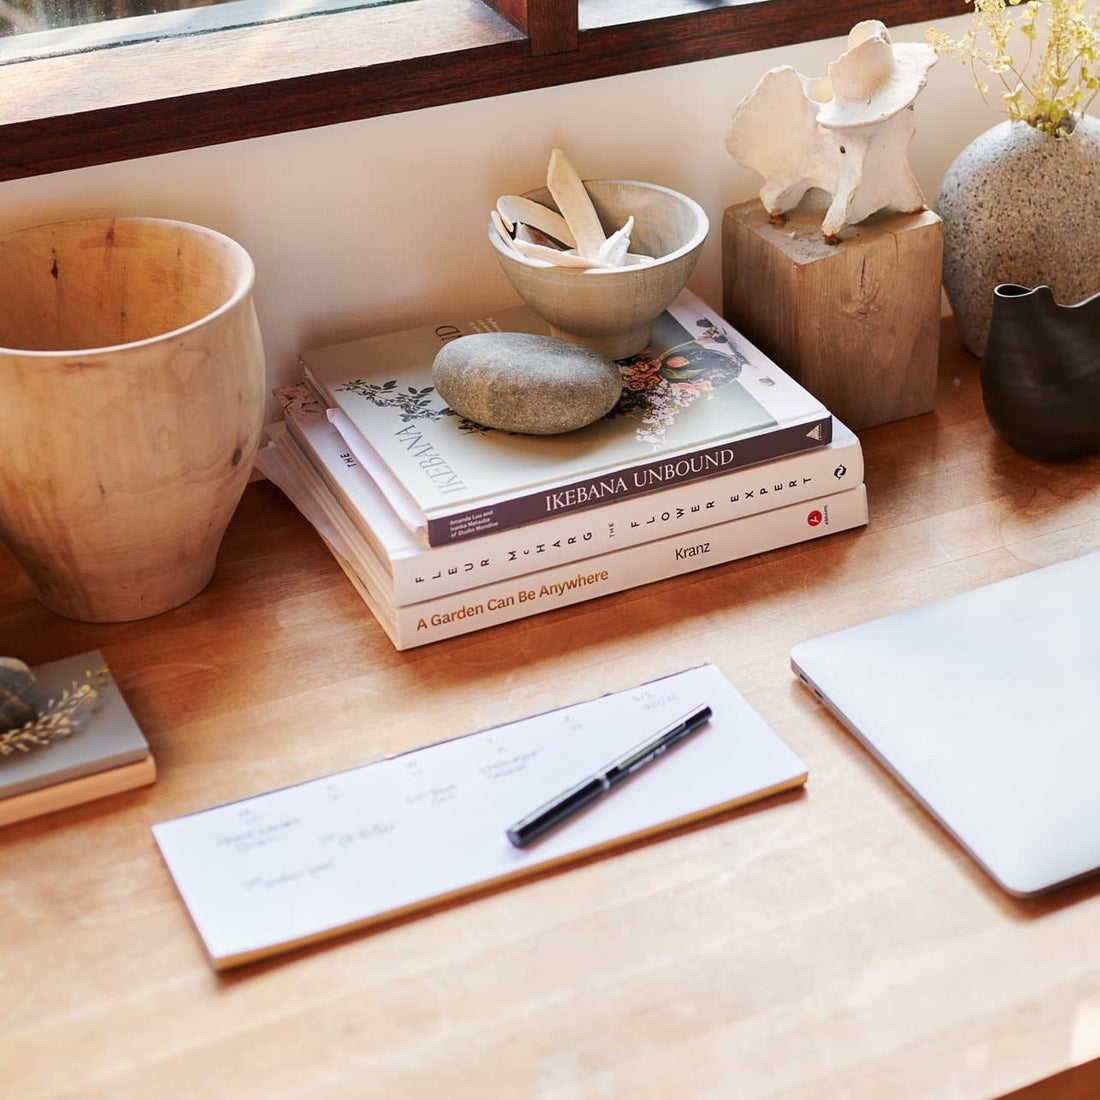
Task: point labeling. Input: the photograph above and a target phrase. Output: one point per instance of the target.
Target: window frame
(144, 98)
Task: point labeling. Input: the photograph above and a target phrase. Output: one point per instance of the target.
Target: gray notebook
(986, 706)
(110, 739)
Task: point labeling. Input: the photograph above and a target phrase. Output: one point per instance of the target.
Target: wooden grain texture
(857, 322)
(132, 369)
(178, 93)
(835, 944)
(550, 25)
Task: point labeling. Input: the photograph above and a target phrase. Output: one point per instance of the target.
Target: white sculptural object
(847, 133)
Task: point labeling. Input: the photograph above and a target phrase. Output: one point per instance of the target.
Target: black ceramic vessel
(1041, 373)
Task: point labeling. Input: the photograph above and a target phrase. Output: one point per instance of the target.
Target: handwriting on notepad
(258, 836)
(356, 836)
(286, 878)
(434, 796)
(501, 769)
(649, 699)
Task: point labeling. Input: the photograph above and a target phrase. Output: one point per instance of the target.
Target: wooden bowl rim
(245, 282)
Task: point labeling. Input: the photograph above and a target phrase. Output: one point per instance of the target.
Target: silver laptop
(986, 706)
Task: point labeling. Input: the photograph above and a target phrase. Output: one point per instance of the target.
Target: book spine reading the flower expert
(700, 402)
(548, 589)
(681, 469)
(412, 572)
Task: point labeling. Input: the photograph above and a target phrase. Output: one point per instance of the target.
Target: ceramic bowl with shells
(606, 292)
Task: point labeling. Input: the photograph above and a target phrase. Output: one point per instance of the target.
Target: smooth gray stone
(520, 382)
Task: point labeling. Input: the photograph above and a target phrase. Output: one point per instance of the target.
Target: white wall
(380, 224)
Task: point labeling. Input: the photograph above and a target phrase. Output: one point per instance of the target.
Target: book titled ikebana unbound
(699, 402)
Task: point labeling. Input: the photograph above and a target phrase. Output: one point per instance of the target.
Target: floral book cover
(700, 401)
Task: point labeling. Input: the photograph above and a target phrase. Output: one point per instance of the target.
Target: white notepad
(389, 838)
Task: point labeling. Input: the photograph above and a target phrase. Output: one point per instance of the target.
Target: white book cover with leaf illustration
(700, 401)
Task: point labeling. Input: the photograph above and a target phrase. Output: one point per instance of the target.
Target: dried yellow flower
(61, 717)
(1049, 92)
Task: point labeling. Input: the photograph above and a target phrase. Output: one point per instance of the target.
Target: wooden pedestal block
(858, 322)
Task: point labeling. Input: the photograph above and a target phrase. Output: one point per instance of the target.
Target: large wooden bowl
(131, 404)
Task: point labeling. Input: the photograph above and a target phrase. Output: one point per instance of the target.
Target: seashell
(615, 248)
(516, 208)
(531, 235)
(574, 203)
(502, 227)
(557, 256)
(18, 694)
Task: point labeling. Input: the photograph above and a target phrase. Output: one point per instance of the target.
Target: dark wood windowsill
(154, 97)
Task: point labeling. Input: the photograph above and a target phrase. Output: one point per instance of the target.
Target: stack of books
(446, 527)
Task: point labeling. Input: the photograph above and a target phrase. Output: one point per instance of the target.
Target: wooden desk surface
(835, 944)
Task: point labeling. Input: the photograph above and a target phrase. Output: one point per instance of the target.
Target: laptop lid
(986, 706)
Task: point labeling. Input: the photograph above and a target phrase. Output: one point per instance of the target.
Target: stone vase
(1041, 373)
(1020, 206)
(131, 405)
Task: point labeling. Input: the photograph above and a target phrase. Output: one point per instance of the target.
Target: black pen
(530, 827)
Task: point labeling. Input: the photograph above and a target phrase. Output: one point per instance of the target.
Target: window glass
(274, 66)
(37, 28)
